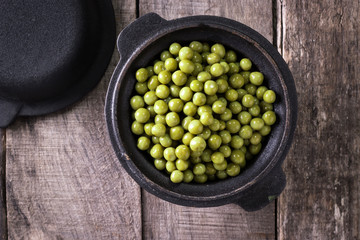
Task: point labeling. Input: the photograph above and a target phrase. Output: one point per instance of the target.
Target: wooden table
(63, 181)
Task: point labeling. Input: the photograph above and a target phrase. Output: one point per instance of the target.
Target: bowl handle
(8, 112)
(264, 192)
(137, 32)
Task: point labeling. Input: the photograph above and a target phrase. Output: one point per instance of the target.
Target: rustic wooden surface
(63, 180)
(321, 44)
(226, 222)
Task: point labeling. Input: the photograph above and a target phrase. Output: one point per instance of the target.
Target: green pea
(199, 99)
(233, 170)
(141, 75)
(246, 132)
(236, 142)
(186, 53)
(236, 81)
(174, 90)
(206, 119)
(255, 138)
(220, 166)
(176, 133)
(158, 130)
(245, 64)
(213, 58)
(141, 88)
(206, 155)
(235, 107)
(222, 85)
(190, 109)
(186, 139)
(137, 128)
(159, 66)
(159, 164)
(162, 91)
(142, 115)
(188, 176)
(216, 70)
(227, 115)
(219, 107)
(230, 56)
(201, 178)
(195, 127)
(265, 130)
(165, 140)
(257, 123)
(199, 169)
(186, 94)
(221, 174)
(247, 100)
(172, 119)
(174, 48)
(137, 102)
(269, 96)
(150, 98)
(169, 154)
(269, 118)
(157, 151)
(218, 49)
(170, 166)
(225, 136)
(226, 150)
(170, 65)
(160, 107)
(203, 76)
(143, 143)
(255, 149)
(186, 121)
(214, 142)
(177, 176)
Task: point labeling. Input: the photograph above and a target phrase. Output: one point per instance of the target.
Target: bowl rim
(227, 25)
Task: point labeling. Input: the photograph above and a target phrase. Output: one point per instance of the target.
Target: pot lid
(51, 53)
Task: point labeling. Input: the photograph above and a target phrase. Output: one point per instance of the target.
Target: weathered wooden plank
(63, 179)
(321, 44)
(3, 215)
(163, 220)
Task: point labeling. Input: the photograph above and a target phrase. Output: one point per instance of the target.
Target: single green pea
(235, 107)
(142, 115)
(186, 66)
(176, 105)
(165, 141)
(246, 75)
(182, 152)
(250, 88)
(143, 143)
(237, 156)
(215, 126)
(246, 132)
(247, 100)
(199, 99)
(219, 107)
(176, 133)
(256, 78)
(199, 169)
(177, 176)
(141, 75)
(201, 178)
(236, 142)
(153, 82)
(197, 144)
(186, 121)
(172, 119)
(148, 128)
(159, 119)
(213, 58)
(150, 98)
(225, 136)
(195, 154)
(265, 130)
(204, 56)
(220, 166)
(164, 77)
(204, 109)
(137, 102)
(150, 70)
(206, 133)
(214, 142)
(159, 66)
(231, 95)
(195, 127)
(264, 106)
(158, 130)
(159, 164)
(175, 48)
(186, 94)
(230, 56)
(210, 87)
(255, 149)
(188, 176)
(236, 81)
(174, 90)
(169, 154)
(161, 107)
(257, 123)
(186, 53)
(222, 125)
(210, 170)
(206, 119)
(269, 118)
(216, 70)
(179, 78)
(226, 150)
(221, 174)
(206, 47)
(233, 126)
(222, 85)
(155, 140)
(186, 139)
(244, 117)
(162, 91)
(170, 166)
(233, 170)
(157, 151)
(137, 128)
(254, 110)
(218, 49)
(141, 88)
(203, 76)
(269, 96)
(211, 99)
(217, 157)
(196, 86)
(171, 64)
(206, 155)
(233, 68)
(255, 138)
(227, 115)
(165, 55)
(198, 69)
(245, 64)
(190, 109)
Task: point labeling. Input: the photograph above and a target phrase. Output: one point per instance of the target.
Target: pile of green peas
(200, 113)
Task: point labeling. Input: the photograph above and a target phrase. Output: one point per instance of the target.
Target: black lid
(51, 53)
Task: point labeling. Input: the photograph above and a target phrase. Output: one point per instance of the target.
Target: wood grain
(3, 214)
(163, 220)
(320, 41)
(63, 179)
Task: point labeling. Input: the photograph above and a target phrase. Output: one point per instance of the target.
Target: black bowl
(143, 40)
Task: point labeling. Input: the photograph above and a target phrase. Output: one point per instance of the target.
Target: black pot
(139, 43)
